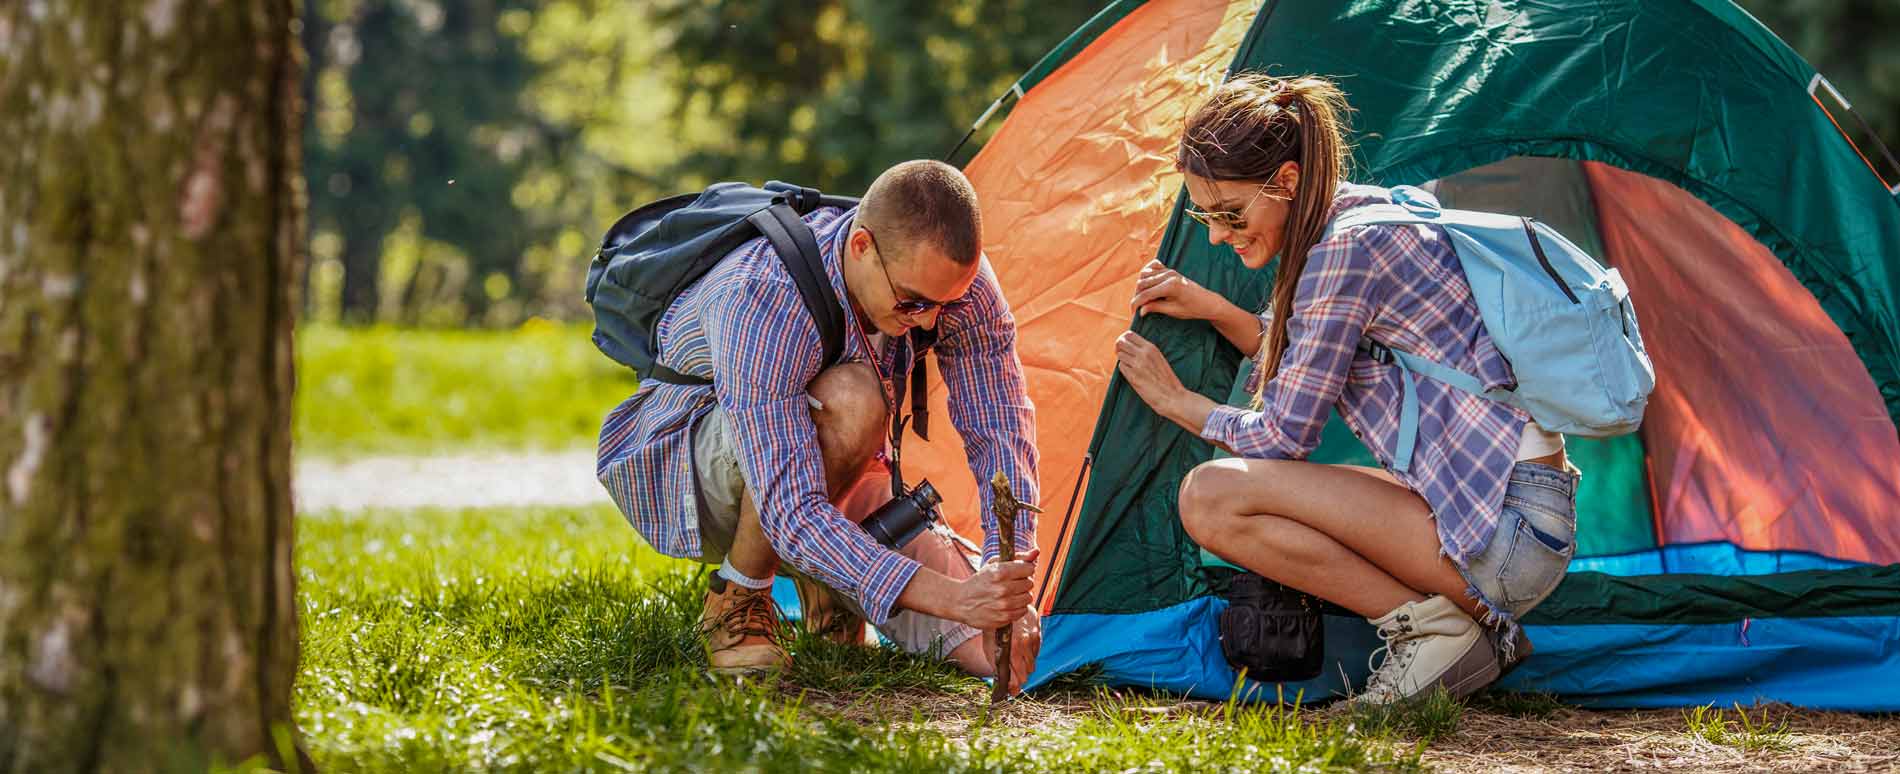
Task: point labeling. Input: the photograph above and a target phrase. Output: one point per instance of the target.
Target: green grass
(1533, 705)
(1745, 733)
(1425, 717)
(385, 390)
(551, 640)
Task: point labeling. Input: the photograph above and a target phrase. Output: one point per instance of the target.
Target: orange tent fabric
(1076, 189)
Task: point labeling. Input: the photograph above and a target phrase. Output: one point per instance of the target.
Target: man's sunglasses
(909, 307)
(1231, 220)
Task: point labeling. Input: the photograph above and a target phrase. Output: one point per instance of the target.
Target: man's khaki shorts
(722, 489)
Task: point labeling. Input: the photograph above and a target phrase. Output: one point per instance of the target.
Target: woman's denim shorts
(1531, 550)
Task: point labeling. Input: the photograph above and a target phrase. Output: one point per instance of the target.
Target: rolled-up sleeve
(989, 404)
(1331, 309)
(762, 366)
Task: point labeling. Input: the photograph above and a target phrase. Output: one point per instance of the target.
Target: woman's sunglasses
(1231, 220)
(909, 307)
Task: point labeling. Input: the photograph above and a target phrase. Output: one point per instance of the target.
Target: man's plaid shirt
(1402, 286)
(745, 326)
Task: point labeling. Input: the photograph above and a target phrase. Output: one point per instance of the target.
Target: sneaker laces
(1396, 653)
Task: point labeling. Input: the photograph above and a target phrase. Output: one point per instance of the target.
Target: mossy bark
(149, 244)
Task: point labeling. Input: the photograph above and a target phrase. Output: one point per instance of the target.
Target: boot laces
(752, 614)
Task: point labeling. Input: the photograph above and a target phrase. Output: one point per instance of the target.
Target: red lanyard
(877, 363)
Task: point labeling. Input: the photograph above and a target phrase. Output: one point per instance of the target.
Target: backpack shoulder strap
(1411, 213)
(797, 247)
(921, 340)
(1408, 205)
(1410, 368)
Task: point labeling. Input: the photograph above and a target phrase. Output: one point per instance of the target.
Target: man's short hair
(919, 203)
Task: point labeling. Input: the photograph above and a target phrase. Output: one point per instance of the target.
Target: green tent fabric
(1694, 92)
(1516, 79)
(1689, 107)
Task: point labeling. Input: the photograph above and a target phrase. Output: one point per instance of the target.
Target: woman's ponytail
(1252, 125)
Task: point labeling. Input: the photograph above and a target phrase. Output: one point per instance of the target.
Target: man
(751, 471)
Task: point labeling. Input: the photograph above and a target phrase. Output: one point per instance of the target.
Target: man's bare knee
(851, 419)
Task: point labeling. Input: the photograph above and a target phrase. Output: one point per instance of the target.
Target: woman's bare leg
(1351, 535)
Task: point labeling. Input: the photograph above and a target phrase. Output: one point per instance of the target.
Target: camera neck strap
(915, 378)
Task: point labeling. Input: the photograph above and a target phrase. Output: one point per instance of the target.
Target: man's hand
(997, 594)
(1025, 643)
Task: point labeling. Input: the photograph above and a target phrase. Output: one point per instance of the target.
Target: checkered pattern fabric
(745, 326)
(1402, 286)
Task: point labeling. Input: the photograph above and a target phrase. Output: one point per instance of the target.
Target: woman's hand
(1146, 369)
(1164, 290)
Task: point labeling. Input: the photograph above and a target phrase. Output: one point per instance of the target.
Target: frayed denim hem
(1498, 620)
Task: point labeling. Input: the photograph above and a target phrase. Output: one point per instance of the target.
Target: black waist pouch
(1273, 632)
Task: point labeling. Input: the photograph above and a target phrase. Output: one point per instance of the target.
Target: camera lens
(926, 495)
(897, 522)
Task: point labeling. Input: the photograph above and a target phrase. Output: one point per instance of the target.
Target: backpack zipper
(1538, 248)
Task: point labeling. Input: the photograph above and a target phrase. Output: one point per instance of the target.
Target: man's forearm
(933, 594)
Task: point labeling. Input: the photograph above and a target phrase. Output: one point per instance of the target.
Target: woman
(1479, 526)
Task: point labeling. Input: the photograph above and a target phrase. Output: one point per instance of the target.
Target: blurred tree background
(1856, 45)
(463, 156)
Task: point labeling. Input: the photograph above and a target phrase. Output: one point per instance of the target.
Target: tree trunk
(149, 245)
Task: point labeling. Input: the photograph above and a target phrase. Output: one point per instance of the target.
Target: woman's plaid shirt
(745, 326)
(1402, 286)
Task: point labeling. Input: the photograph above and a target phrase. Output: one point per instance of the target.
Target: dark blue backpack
(657, 251)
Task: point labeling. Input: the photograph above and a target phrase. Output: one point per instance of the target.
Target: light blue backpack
(1563, 321)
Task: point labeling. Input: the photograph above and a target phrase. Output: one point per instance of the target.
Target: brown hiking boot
(825, 616)
(741, 629)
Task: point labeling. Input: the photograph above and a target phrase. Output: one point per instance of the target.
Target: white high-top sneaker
(1427, 644)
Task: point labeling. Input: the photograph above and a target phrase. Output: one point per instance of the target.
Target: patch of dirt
(961, 716)
(477, 480)
(1659, 740)
(1565, 740)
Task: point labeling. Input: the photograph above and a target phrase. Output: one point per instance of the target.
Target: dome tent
(1741, 546)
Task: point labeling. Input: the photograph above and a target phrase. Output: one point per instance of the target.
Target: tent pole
(1062, 535)
(1015, 90)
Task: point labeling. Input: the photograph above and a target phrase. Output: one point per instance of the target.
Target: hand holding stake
(1005, 506)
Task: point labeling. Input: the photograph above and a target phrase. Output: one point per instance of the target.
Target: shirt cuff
(1025, 539)
(883, 583)
(1221, 423)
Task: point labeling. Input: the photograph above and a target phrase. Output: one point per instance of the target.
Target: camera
(896, 523)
